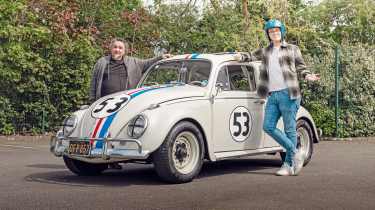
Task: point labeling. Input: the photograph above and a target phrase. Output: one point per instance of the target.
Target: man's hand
(237, 57)
(167, 56)
(242, 57)
(312, 77)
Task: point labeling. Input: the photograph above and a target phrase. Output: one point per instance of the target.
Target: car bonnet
(109, 114)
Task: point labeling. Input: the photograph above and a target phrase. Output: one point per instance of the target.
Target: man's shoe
(285, 170)
(298, 160)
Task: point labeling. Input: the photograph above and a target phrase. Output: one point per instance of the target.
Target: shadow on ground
(138, 174)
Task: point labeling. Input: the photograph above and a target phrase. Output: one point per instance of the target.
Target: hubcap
(185, 152)
(303, 140)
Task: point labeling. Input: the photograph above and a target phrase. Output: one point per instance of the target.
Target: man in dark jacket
(118, 72)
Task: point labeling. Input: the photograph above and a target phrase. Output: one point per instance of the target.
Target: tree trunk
(245, 13)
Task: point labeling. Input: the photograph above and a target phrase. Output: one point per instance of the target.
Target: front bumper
(110, 152)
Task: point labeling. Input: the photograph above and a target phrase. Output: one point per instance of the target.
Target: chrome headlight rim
(133, 124)
(71, 125)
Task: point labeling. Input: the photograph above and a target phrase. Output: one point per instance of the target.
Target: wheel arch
(196, 123)
(314, 129)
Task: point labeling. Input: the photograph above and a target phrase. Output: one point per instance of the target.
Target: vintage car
(185, 109)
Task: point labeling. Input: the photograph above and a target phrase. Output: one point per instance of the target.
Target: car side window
(238, 78)
(223, 78)
(250, 71)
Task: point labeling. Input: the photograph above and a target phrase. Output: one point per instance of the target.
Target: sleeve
(300, 64)
(146, 63)
(252, 56)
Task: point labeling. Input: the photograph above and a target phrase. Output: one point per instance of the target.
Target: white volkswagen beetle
(185, 109)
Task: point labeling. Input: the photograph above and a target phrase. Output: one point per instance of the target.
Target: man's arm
(252, 56)
(145, 63)
(300, 64)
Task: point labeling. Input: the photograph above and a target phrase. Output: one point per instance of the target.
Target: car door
(237, 110)
(268, 141)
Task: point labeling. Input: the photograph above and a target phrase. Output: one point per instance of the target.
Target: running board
(240, 153)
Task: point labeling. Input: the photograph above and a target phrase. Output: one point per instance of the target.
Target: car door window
(251, 75)
(222, 78)
(238, 78)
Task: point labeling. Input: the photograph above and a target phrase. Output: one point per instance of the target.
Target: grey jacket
(292, 65)
(135, 67)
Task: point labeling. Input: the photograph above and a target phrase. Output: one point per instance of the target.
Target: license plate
(79, 147)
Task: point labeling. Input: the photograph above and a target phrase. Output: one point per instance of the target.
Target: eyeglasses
(274, 30)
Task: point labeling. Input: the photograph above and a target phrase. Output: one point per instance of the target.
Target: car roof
(213, 57)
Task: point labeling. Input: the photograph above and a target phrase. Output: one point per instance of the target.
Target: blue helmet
(273, 23)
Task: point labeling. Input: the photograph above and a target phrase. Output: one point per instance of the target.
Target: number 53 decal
(110, 106)
(240, 123)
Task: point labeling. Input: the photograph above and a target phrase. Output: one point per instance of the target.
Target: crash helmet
(273, 23)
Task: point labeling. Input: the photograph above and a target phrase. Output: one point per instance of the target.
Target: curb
(371, 138)
(30, 138)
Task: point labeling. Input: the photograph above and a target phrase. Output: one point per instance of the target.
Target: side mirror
(219, 87)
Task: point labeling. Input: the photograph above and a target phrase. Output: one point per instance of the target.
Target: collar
(284, 44)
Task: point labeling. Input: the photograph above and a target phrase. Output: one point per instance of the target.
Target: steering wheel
(196, 82)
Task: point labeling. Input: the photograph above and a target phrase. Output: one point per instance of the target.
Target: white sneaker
(285, 170)
(298, 160)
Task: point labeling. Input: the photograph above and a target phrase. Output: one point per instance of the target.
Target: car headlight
(137, 126)
(69, 125)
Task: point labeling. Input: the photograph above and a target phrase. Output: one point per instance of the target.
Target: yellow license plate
(79, 147)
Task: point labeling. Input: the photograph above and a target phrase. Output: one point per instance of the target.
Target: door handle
(260, 101)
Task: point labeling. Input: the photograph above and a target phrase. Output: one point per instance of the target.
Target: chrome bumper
(109, 153)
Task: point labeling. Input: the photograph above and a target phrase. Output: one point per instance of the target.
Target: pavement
(341, 175)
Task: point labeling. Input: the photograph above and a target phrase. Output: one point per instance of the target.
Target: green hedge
(356, 91)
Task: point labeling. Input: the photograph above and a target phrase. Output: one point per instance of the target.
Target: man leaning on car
(118, 72)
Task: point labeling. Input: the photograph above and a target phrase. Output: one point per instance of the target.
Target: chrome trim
(58, 148)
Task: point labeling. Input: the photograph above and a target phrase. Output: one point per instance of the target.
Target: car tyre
(83, 168)
(180, 158)
(304, 140)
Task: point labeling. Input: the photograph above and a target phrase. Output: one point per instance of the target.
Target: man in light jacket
(282, 66)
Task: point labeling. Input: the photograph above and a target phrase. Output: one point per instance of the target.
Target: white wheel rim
(303, 139)
(185, 152)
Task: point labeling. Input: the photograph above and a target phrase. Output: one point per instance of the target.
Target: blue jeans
(279, 105)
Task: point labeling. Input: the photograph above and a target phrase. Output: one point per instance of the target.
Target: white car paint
(210, 108)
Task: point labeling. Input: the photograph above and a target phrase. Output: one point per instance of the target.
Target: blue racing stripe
(146, 90)
(109, 120)
(194, 55)
(104, 130)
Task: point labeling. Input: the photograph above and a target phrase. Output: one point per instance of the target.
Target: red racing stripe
(96, 130)
(134, 91)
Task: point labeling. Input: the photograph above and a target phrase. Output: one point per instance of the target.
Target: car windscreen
(193, 72)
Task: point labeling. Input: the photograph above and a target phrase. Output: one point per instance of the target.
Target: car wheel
(82, 168)
(304, 141)
(179, 159)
